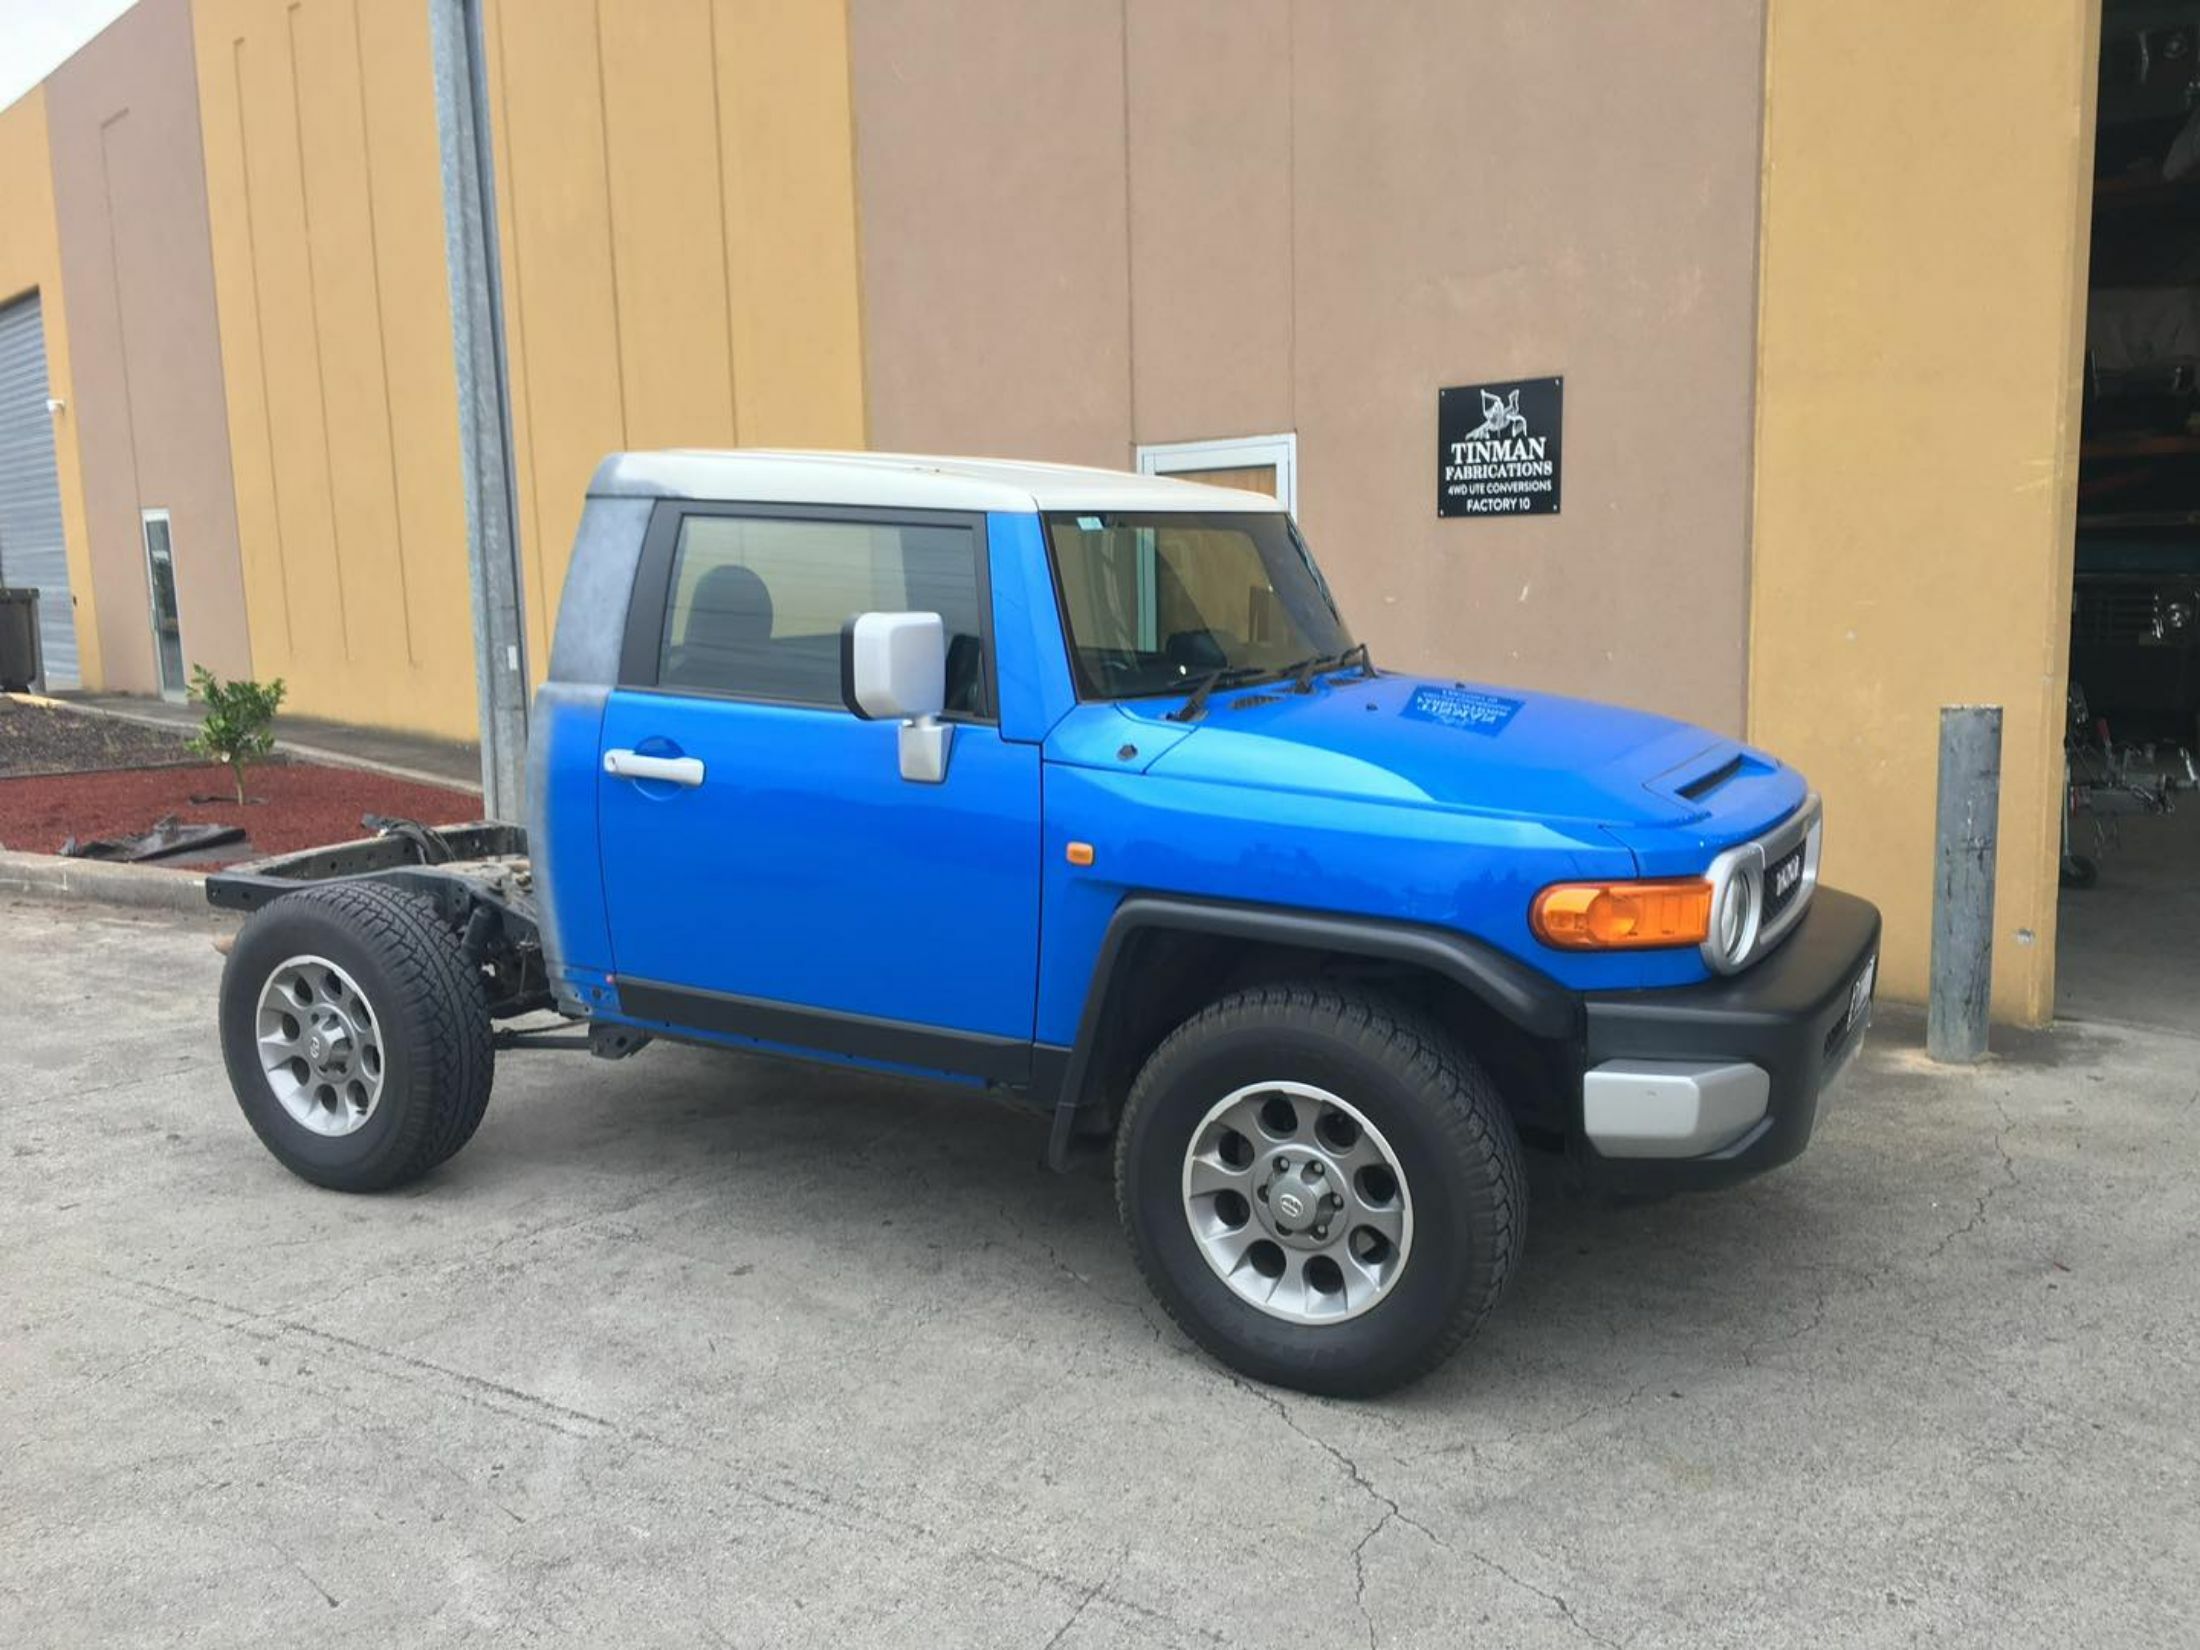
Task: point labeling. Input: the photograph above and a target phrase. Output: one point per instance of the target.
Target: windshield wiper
(1195, 704)
(1321, 664)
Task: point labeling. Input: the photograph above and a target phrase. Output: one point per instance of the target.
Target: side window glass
(757, 603)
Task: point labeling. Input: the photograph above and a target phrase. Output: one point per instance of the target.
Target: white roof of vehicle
(904, 481)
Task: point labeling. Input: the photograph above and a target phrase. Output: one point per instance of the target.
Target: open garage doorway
(2129, 916)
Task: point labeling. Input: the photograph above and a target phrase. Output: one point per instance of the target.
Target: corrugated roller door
(31, 551)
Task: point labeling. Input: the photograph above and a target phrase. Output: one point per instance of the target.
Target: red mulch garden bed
(294, 805)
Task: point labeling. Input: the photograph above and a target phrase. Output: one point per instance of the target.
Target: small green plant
(240, 721)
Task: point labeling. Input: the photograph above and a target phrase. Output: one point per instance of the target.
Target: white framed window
(160, 589)
(1260, 463)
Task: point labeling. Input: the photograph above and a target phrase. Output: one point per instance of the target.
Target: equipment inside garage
(2131, 858)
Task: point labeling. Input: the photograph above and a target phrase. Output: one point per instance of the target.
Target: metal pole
(484, 403)
(1963, 881)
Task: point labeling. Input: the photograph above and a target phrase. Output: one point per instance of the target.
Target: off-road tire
(1442, 1117)
(432, 1010)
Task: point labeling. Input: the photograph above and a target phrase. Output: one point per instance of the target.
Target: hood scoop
(1705, 783)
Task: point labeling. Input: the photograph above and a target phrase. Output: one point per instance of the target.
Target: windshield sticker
(1463, 708)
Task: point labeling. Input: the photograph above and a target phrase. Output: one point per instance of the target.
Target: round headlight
(1736, 919)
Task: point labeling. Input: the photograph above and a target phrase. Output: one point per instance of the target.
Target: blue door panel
(805, 870)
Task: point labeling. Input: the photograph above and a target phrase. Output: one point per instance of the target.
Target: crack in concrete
(1553, 1599)
(1977, 1217)
(291, 1559)
(1393, 1513)
(854, 1517)
(2032, 1399)
(1091, 1593)
(476, 1390)
(1359, 1573)
(462, 1265)
(1136, 1308)
(1815, 1322)
(1390, 1515)
(1612, 1407)
(1360, 1480)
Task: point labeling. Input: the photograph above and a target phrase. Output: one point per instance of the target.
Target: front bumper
(1691, 1087)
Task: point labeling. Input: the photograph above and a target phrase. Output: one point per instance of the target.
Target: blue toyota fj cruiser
(1075, 784)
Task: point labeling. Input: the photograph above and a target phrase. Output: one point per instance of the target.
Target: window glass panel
(1154, 601)
(758, 604)
(1254, 478)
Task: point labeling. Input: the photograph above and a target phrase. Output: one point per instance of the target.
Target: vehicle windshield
(1157, 601)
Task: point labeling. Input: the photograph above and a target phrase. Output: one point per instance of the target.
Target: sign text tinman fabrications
(1497, 448)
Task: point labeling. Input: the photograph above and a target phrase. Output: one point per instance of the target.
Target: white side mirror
(893, 666)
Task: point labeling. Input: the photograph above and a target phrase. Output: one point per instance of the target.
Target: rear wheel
(1324, 1190)
(356, 1035)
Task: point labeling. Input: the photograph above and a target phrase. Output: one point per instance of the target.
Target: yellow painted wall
(1922, 274)
(30, 260)
(677, 220)
(677, 212)
(325, 205)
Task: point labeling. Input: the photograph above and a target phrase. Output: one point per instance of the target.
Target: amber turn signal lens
(1622, 916)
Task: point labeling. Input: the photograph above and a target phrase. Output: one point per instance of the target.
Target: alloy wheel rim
(1297, 1202)
(320, 1046)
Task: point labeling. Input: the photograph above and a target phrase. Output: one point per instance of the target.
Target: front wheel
(1323, 1190)
(356, 1035)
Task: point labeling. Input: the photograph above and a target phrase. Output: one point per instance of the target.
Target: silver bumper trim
(1671, 1108)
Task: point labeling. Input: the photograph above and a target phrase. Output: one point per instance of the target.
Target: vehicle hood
(1432, 743)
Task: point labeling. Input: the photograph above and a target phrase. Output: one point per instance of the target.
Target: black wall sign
(1497, 448)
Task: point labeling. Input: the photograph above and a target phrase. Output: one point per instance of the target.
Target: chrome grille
(1759, 858)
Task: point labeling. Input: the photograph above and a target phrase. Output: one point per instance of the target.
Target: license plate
(1843, 1041)
(1783, 879)
(1860, 996)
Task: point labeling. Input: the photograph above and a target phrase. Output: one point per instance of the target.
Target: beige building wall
(996, 266)
(30, 261)
(1090, 226)
(676, 200)
(1921, 330)
(1831, 395)
(325, 205)
(130, 201)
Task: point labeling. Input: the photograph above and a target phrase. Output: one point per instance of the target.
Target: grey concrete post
(1965, 840)
(484, 403)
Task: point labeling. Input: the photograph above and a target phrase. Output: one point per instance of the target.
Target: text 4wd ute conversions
(1075, 784)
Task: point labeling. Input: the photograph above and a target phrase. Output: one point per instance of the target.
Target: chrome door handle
(672, 770)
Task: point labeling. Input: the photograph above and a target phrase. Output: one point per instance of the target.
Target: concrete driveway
(697, 1349)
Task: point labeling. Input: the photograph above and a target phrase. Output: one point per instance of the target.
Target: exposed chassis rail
(477, 876)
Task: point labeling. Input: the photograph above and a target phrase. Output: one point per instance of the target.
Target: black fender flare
(1519, 993)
